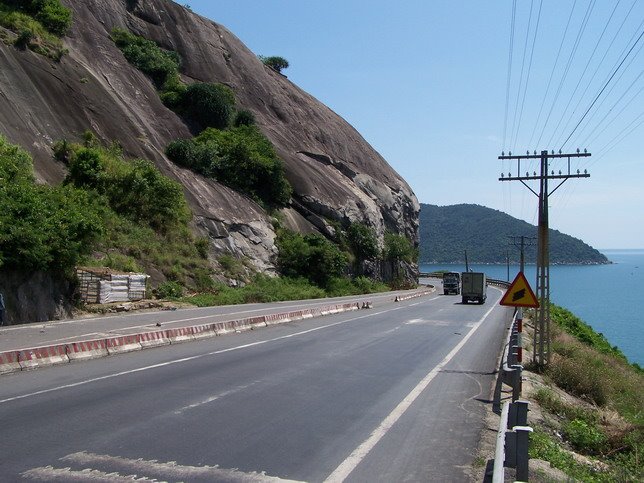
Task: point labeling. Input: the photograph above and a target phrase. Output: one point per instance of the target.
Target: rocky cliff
(336, 175)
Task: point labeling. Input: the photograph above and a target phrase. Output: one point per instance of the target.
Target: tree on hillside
(275, 62)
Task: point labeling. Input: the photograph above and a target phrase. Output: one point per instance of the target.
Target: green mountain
(446, 232)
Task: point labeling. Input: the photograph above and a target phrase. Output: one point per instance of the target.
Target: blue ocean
(610, 298)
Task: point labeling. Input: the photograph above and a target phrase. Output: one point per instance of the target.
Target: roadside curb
(32, 358)
(412, 296)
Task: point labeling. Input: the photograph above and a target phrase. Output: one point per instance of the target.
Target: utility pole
(520, 243)
(541, 350)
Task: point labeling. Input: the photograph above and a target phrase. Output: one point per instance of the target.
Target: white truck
(473, 287)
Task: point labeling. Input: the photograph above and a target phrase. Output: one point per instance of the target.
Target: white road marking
(142, 470)
(192, 358)
(416, 321)
(214, 398)
(355, 458)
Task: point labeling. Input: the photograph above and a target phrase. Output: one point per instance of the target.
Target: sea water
(609, 298)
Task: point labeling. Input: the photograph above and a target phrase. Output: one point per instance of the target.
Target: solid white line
(192, 358)
(356, 457)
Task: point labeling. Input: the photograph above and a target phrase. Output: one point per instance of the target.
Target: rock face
(336, 175)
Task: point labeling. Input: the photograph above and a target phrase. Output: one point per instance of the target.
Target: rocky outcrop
(336, 175)
(35, 297)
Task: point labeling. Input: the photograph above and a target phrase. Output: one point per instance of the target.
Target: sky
(441, 88)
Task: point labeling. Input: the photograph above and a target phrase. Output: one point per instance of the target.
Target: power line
(525, 91)
(581, 78)
(603, 88)
(507, 88)
(594, 112)
(583, 95)
(622, 135)
(543, 102)
(573, 52)
(587, 140)
(525, 49)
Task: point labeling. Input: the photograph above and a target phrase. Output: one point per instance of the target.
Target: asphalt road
(396, 393)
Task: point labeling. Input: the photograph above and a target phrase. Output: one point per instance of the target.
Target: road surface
(396, 393)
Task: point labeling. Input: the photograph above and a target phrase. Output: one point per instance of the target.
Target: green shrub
(398, 248)
(261, 289)
(242, 158)
(363, 244)
(51, 14)
(275, 62)
(243, 118)
(585, 436)
(202, 244)
(118, 261)
(169, 290)
(310, 256)
(87, 169)
(551, 402)
(211, 105)
(146, 55)
(135, 189)
(582, 331)
(544, 447)
(365, 285)
(46, 228)
(15, 163)
(141, 192)
(55, 17)
(579, 376)
(24, 38)
(199, 157)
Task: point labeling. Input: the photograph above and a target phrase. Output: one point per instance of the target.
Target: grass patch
(545, 447)
(551, 402)
(585, 365)
(275, 289)
(583, 332)
(261, 289)
(30, 33)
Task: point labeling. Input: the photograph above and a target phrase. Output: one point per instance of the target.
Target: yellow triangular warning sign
(520, 294)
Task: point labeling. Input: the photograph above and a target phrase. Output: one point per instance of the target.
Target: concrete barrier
(153, 339)
(242, 325)
(125, 343)
(90, 349)
(257, 322)
(400, 298)
(204, 331)
(9, 362)
(223, 328)
(42, 356)
(275, 319)
(179, 335)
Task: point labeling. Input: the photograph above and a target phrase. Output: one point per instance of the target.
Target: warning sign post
(520, 294)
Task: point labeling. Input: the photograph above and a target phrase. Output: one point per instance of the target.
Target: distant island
(446, 232)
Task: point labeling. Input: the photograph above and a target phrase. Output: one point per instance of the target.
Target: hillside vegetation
(204, 168)
(591, 400)
(446, 232)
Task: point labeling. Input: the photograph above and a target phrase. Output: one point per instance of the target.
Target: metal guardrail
(512, 442)
(512, 369)
(513, 435)
(500, 283)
